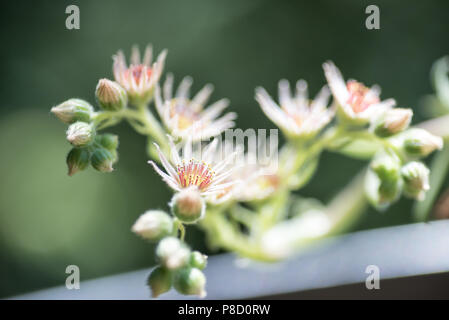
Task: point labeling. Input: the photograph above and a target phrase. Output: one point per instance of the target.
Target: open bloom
(187, 117)
(195, 168)
(140, 77)
(356, 102)
(297, 116)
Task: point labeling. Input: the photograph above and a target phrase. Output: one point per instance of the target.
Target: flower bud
(416, 180)
(417, 142)
(77, 160)
(73, 110)
(153, 225)
(102, 160)
(188, 205)
(160, 281)
(80, 134)
(198, 260)
(393, 121)
(383, 183)
(108, 141)
(110, 95)
(190, 281)
(172, 253)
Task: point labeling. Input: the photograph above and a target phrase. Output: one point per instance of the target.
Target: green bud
(198, 260)
(417, 142)
(172, 253)
(416, 180)
(108, 141)
(110, 95)
(160, 281)
(102, 160)
(393, 121)
(73, 110)
(190, 281)
(383, 183)
(188, 205)
(77, 160)
(80, 134)
(153, 225)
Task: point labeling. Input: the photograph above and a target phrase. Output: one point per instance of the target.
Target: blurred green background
(49, 220)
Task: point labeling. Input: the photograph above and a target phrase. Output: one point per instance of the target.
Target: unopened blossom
(141, 76)
(356, 102)
(296, 115)
(184, 116)
(195, 168)
(393, 121)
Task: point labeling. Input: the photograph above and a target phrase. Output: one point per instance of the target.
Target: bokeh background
(49, 220)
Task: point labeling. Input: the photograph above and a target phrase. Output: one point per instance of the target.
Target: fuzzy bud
(110, 95)
(393, 121)
(417, 142)
(188, 205)
(153, 225)
(416, 180)
(77, 160)
(102, 160)
(383, 182)
(198, 260)
(160, 281)
(73, 110)
(172, 253)
(80, 134)
(190, 281)
(108, 141)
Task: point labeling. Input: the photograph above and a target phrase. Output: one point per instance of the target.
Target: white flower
(187, 117)
(140, 77)
(355, 101)
(195, 168)
(297, 116)
(255, 180)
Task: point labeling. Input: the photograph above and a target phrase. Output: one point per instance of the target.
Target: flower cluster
(245, 205)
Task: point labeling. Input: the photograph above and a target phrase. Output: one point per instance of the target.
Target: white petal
(184, 88)
(167, 166)
(135, 55)
(336, 82)
(202, 96)
(168, 87)
(215, 109)
(148, 56)
(171, 183)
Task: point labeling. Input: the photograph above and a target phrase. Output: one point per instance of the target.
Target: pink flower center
(195, 173)
(360, 97)
(137, 72)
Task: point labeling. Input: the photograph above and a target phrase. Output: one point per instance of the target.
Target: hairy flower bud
(110, 95)
(383, 182)
(393, 121)
(153, 225)
(160, 281)
(80, 134)
(416, 180)
(77, 160)
(172, 253)
(198, 260)
(417, 142)
(108, 141)
(102, 160)
(190, 281)
(73, 110)
(188, 205)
